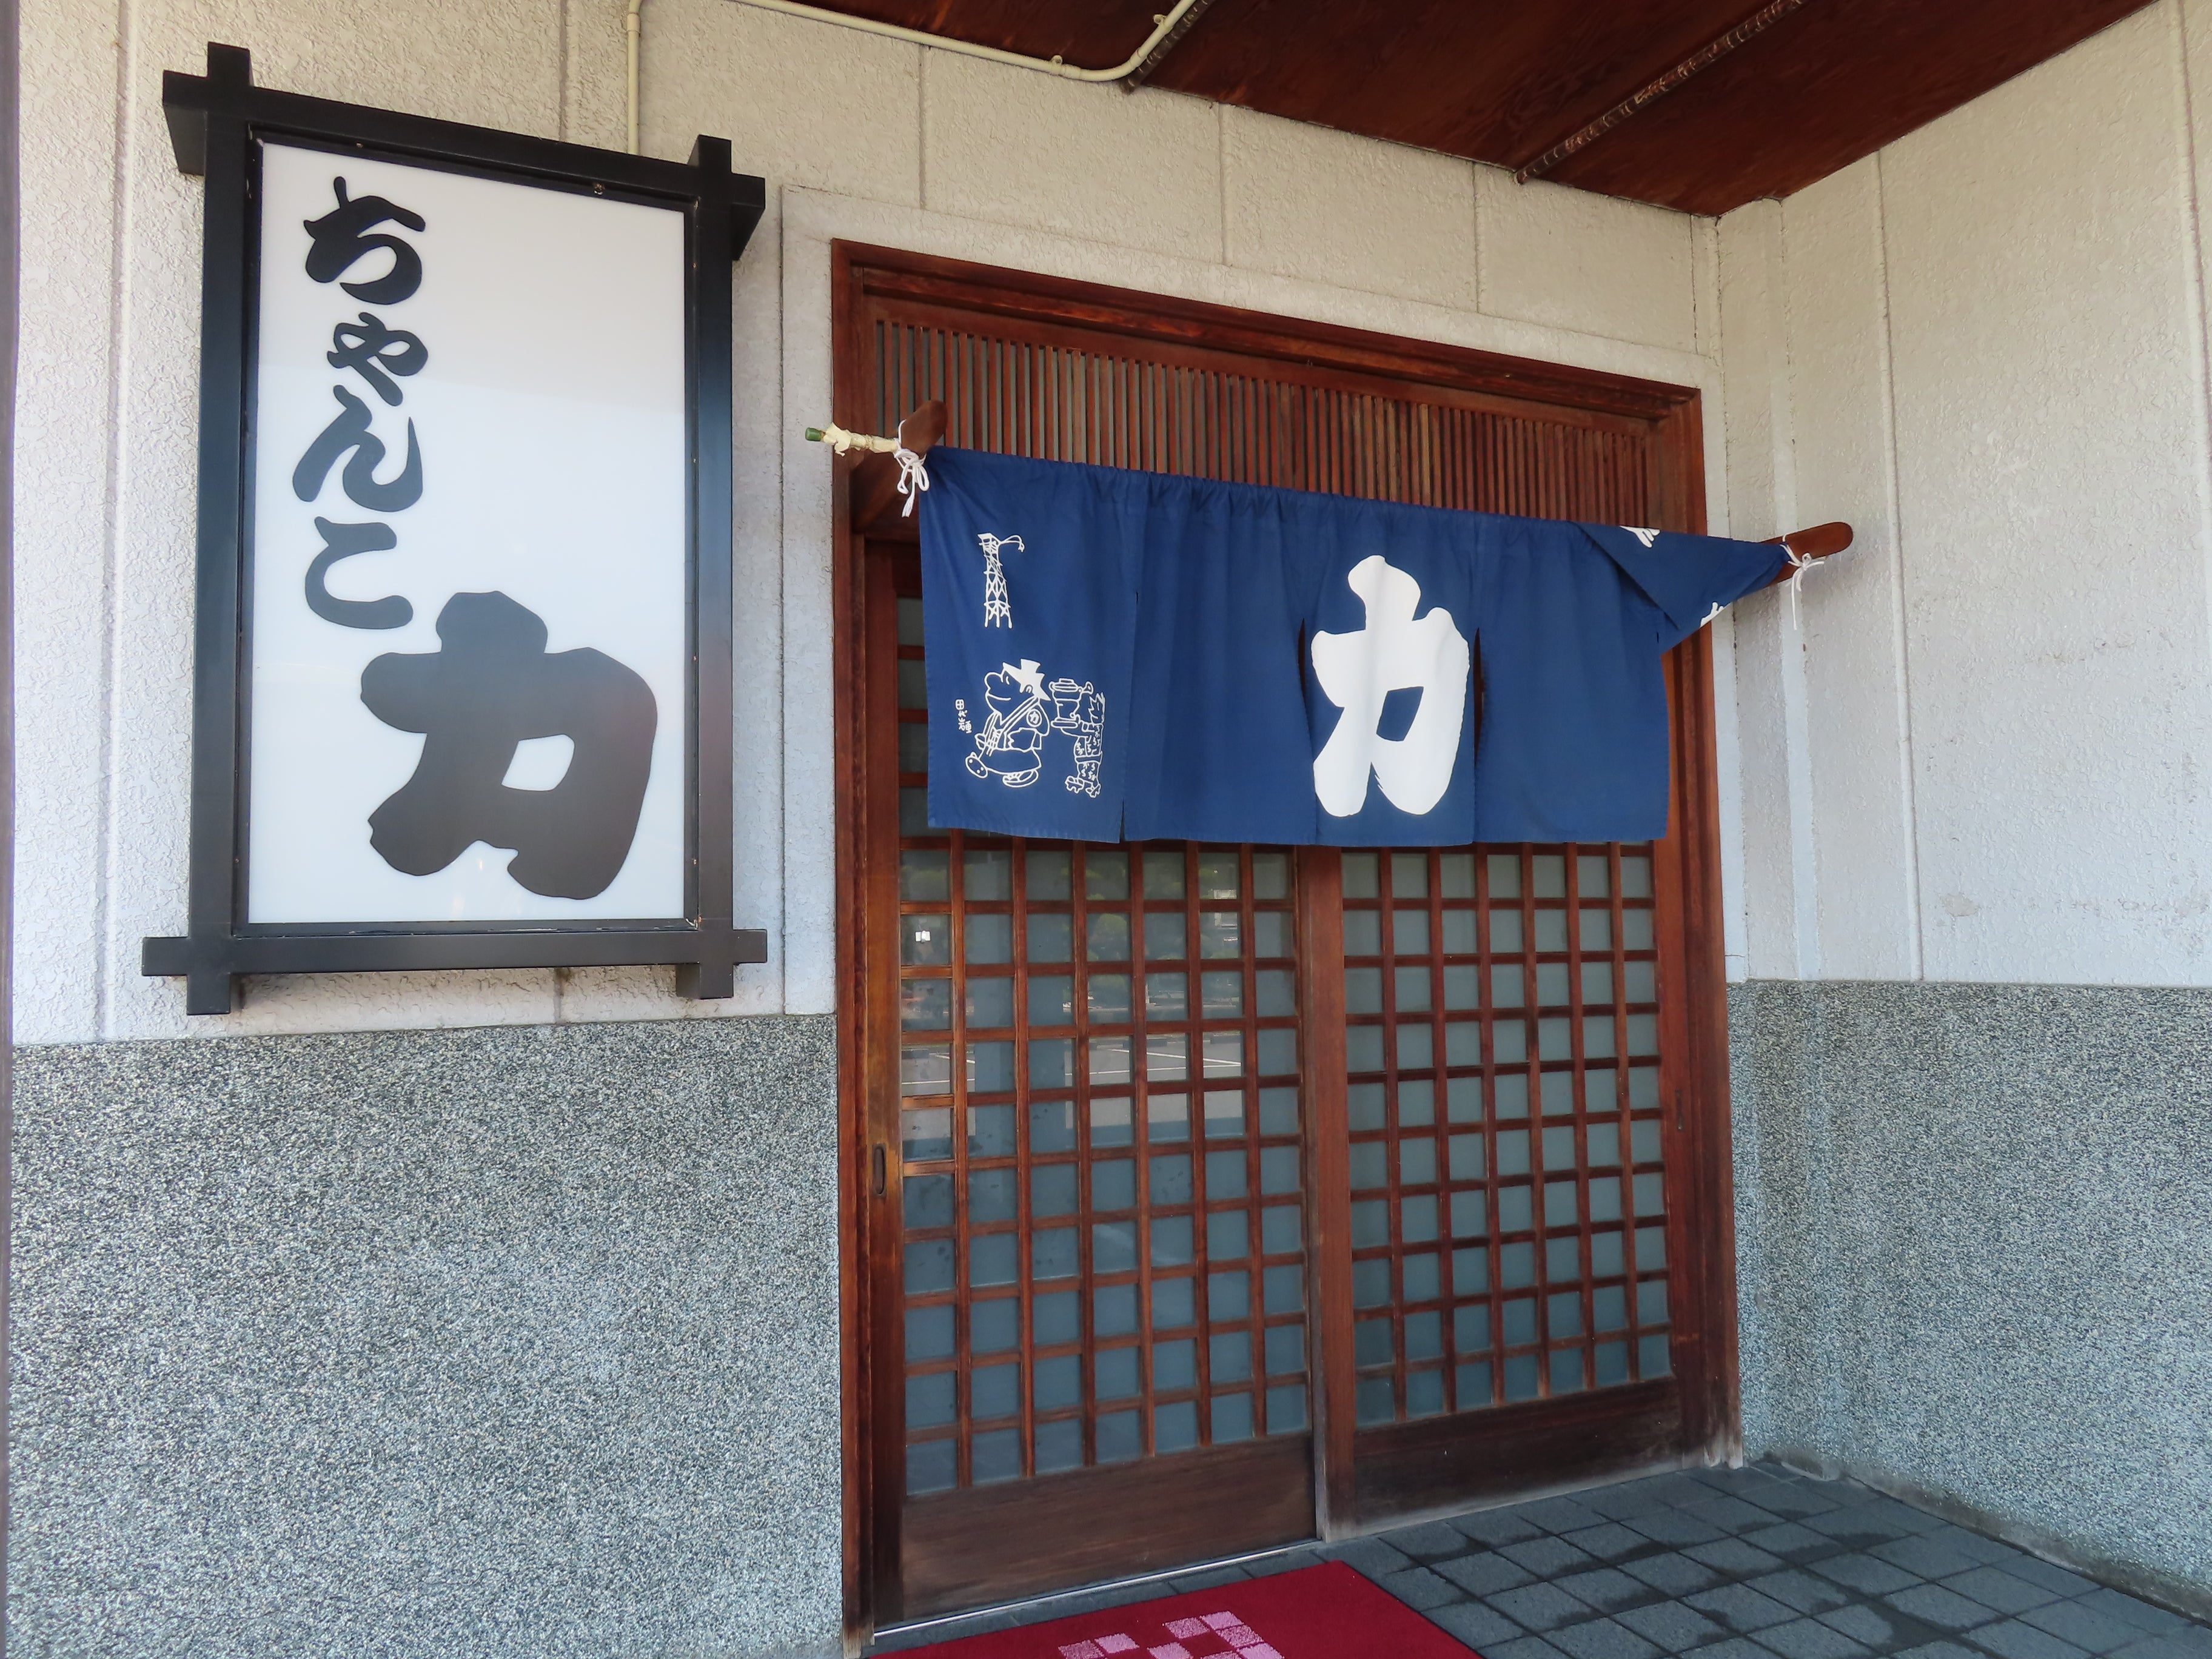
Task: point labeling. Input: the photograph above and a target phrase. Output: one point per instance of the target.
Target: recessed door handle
(882, 1172)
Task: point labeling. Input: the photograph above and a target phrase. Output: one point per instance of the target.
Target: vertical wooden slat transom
(1202, 420)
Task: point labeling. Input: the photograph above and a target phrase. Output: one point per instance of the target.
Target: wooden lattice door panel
(1546, 1024)
(1006, 1441)
(1507, 1164)
(1101, 1210)
(1101, 1151)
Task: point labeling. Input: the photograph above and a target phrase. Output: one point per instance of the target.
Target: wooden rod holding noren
(916, 433)
(875, 498)
(875, 481)
(1820, 541)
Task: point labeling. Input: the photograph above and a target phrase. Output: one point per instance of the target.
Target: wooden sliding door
(1092, 1313)
(1205, 1198)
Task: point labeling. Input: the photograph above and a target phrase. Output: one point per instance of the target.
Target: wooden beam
(1704, 57)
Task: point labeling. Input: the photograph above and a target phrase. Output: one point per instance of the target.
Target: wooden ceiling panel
(1486, 79)
(1830, 83)
(1503, 81)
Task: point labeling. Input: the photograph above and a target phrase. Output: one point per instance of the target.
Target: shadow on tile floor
(1757, 1563)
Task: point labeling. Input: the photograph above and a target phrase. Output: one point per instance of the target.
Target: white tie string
(1804, 564)
(914, 478)
(914, 472)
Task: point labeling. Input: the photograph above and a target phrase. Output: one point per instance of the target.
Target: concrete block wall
(876, 138)
(514, 1341)
(1975, 1257)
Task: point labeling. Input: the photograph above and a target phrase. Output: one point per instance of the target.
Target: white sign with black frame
(470, 649)
(465, 488)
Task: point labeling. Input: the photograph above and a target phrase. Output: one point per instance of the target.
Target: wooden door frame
(1200, 332)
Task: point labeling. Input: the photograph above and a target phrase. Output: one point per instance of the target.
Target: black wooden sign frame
(216, 123)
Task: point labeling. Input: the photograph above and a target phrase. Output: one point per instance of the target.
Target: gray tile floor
(1757, 1563)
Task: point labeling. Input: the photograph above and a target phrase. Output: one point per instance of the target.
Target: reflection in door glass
(1512, 1247)
(1109, 1264)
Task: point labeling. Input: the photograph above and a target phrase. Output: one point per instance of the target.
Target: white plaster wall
(858, 137)
(1985, 753)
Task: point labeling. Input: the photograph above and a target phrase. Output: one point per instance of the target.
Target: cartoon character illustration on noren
(1023, 710)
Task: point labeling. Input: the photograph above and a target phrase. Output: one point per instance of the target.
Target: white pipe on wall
(1164, 24)
(634, 30)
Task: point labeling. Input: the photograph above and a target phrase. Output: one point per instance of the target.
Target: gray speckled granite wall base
(1975, 1248)
(516, 1341)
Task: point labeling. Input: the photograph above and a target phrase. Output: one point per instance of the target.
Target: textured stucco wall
(1973, 1252)
(1987, 755)
(856, 136)
(512, 1342)
(1975, 786)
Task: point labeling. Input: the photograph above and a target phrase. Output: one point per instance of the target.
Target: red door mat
(1327, 1612)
